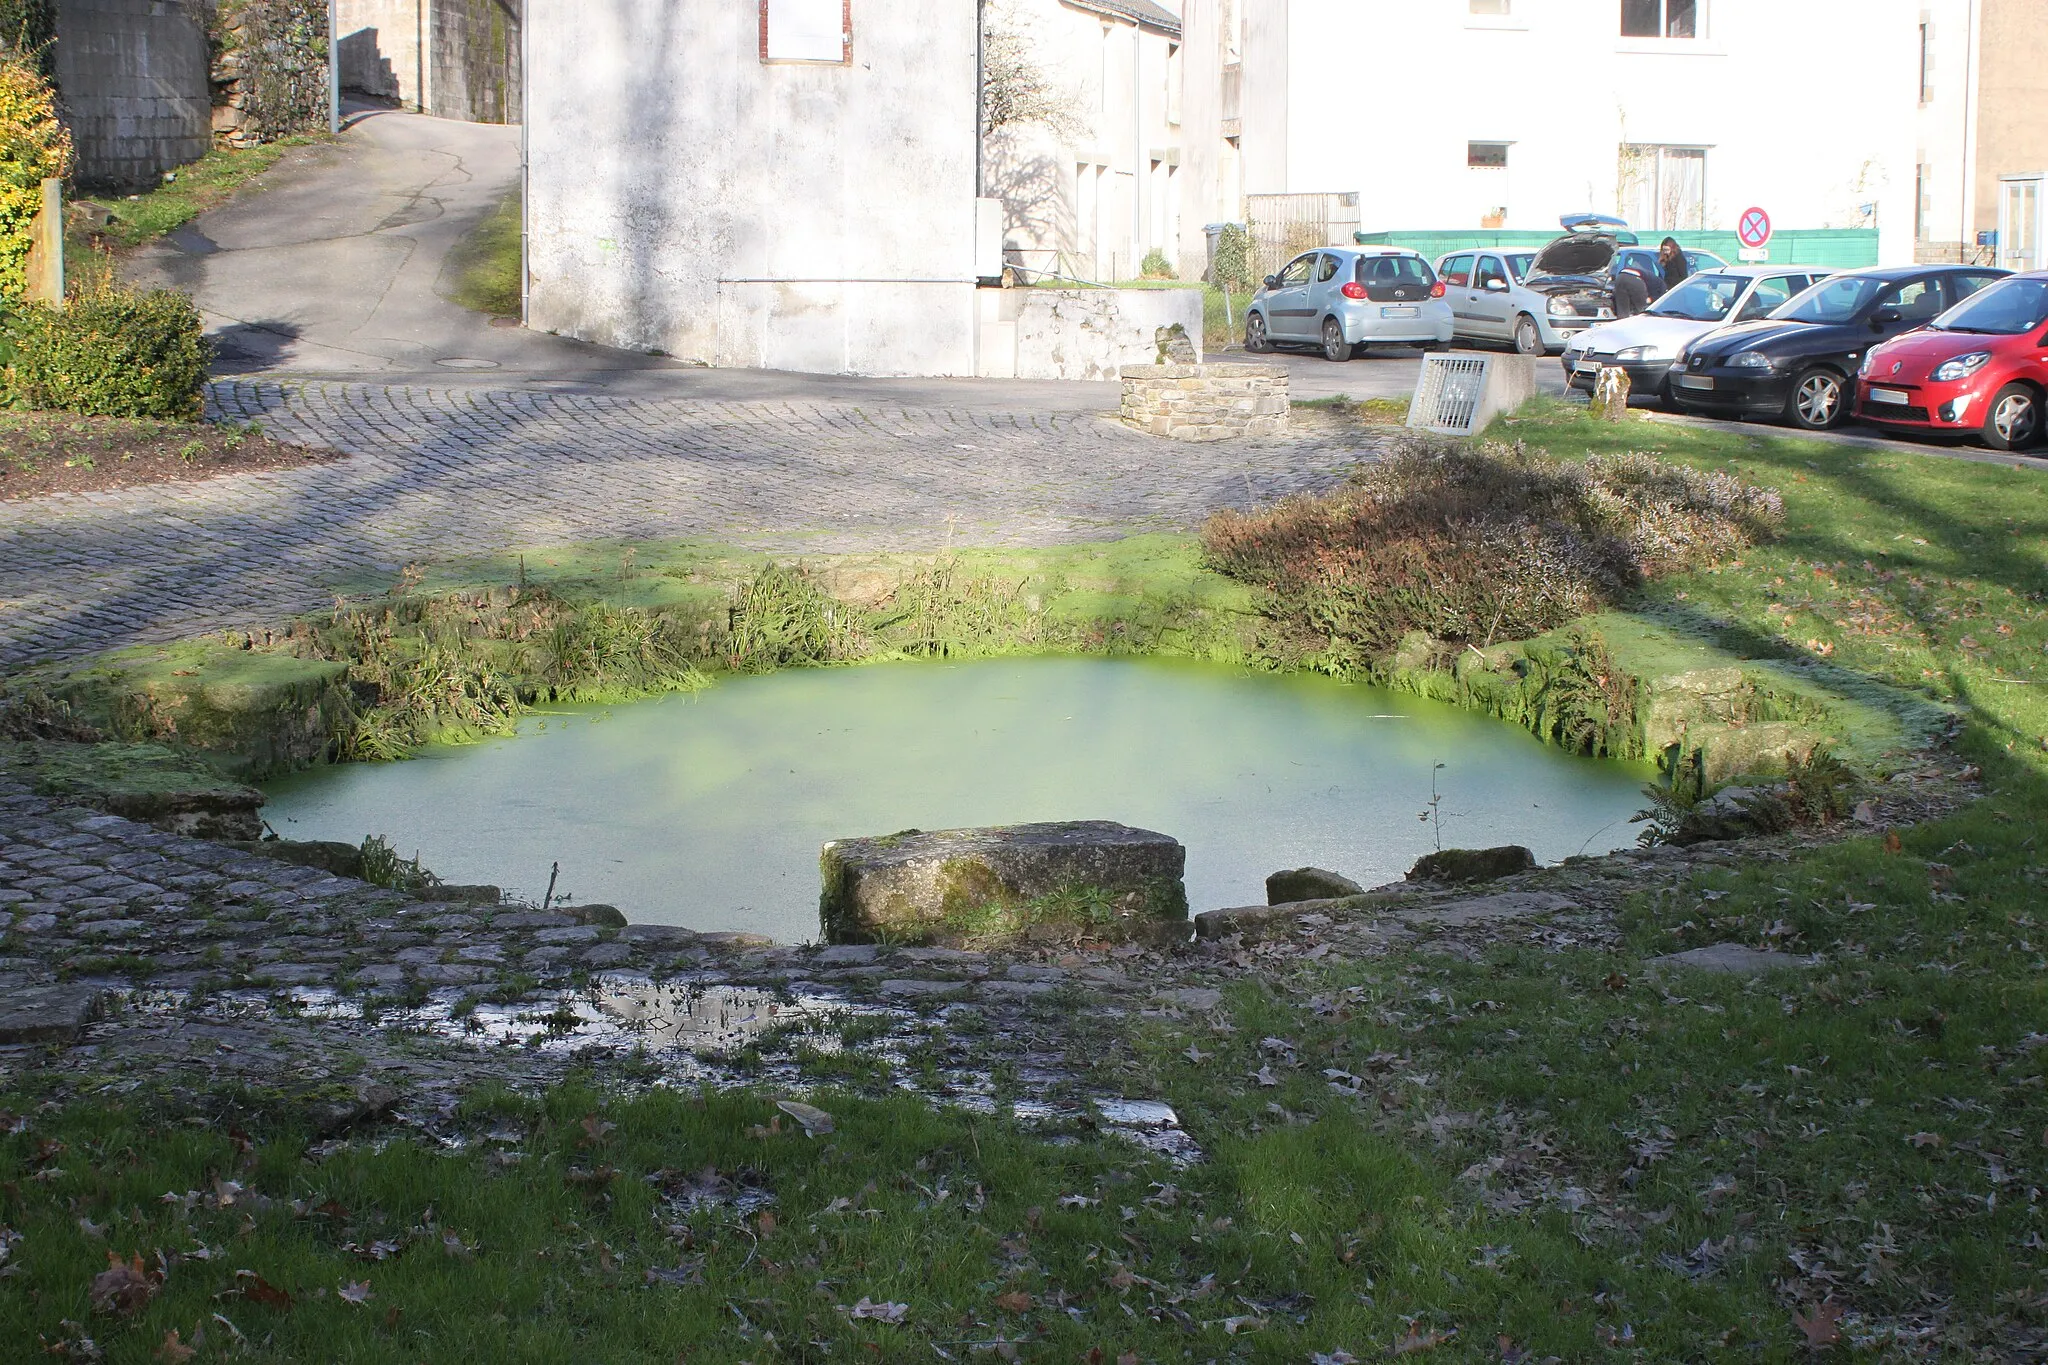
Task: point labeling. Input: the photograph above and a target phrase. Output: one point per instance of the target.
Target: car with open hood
(1645, 345)
(1981, 367)
(1566, 287)
(1799, 365)
(1342, 299)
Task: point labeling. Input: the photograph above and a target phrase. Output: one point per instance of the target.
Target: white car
(1493, 298)
(1645, 345)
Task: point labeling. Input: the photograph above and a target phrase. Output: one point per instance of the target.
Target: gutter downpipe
(334, 66)
(526, 164)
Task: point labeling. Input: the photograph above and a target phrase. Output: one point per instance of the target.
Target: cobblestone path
(440, 473)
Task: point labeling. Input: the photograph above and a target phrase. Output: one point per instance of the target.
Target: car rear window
(1395, 270)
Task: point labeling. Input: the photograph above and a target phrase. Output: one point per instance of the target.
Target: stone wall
(475, 59)
(1042, 333)
(269, 69)
(1206, 402)
(132, 75)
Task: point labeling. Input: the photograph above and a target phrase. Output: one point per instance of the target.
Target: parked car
(1344, 299)
(1800, 363)
(1978, 367)
(1569, 283)
(1645, 345)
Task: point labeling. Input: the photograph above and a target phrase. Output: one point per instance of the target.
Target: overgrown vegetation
(199, 187)
(34, 146)
(111, 352)
(484, 267)
(1471, 545)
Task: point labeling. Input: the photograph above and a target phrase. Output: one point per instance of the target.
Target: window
(1491, 273)
(1915, 301)
(1327, 271)
(1394, 270)
(1491, 156)
(1458, 271)
(1296, 272)
(807, 31)
(1926, 62)
(1491, 6)
(1770, 293)
(1962, 286)
(1923, 201)
(1663, 189)
(1661, 18)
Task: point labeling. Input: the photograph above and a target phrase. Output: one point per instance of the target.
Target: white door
(2019, 222)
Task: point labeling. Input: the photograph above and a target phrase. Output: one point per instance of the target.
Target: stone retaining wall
(133, 78)
(1206, 402)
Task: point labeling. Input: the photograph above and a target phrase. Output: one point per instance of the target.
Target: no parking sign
(1753, 230)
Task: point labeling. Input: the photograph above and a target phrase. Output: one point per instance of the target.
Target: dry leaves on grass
(253, 1287)
(357, 1293)
(816, 1122)
(124, 1288)
(869, 1311)
(174, 1351)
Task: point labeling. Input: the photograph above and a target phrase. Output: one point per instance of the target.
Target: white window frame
(1659, 153)
(800, 32)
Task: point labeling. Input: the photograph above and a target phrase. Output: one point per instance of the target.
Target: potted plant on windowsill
(1494, 218)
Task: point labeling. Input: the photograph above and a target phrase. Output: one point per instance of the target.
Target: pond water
(709, 810)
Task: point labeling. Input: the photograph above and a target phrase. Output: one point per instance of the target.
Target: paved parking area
(437, 473)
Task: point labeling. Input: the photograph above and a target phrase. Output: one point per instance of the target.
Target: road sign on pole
(1754, 227)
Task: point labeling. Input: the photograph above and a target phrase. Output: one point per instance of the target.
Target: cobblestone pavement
(438, 473)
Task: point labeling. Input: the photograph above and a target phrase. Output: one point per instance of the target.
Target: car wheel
(1528, 336)
(1255, 339)
(2013, 421)
(1335, 347)
(1818, 400)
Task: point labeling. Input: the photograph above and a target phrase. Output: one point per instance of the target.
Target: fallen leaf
(124, 1287)
(816, 1122)
(1419, 1341)
(357, 1293)
(1615, 982)
(866, 1311)
(1822, 1328)
(256, 1289)
(766, 1223)
(173, 1351)
(1891, 841)
(1925, 1139)
(1332, 1358)
(1015, 1301)
(595, 1130)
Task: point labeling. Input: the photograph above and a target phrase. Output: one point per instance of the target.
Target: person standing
(1671, 263)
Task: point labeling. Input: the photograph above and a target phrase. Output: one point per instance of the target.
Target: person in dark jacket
(1671, 263)
(1631, 293)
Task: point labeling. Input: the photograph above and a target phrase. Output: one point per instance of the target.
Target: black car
(1799, 364)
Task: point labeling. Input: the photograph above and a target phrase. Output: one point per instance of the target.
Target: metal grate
(1448, 393)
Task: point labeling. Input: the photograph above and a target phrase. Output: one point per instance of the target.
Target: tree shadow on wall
(1039, 228)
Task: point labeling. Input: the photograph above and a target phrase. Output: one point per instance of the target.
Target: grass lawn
(202, 186)
(1546, 1151)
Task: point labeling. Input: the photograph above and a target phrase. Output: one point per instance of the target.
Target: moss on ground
(483, 270)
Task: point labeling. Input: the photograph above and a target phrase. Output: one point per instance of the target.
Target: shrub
(112, 352)
(1156, 266)
(1474, 545)
(33, 148)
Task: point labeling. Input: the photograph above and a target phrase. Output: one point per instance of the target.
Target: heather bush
(1477, 544)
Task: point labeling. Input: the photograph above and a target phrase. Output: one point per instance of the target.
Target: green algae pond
(708, 810)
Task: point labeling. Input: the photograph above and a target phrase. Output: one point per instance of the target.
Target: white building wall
(1093, 201)
(1809, 109)
(1946, 135)
(685, 196)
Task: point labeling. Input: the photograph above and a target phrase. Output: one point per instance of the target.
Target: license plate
(1695, 381)
(1400, 311)
(1890, 396)
(1588, 367)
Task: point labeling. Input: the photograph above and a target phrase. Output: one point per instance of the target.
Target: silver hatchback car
(1343, 300)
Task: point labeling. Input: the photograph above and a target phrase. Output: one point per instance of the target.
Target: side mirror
(1496, 286)
(1272, 281)
(1886, 317)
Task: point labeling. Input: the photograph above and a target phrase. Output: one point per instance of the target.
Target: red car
(1979, 367)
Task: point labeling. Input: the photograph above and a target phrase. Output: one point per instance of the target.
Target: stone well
(1205, 402)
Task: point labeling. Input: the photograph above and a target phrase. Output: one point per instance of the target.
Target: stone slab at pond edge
(1058, 881)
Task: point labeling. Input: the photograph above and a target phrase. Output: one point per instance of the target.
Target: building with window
(1983, 132)
(456, 59)
(1083, 148)
(1469, 114)
(783, 184)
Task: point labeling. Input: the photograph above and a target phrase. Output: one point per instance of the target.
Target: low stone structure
(1089, 334)
(133, 74)
(1205, 402)
(1308, 884)
(1081, 878)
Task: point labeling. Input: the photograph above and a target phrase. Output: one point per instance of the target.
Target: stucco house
(788, 184)
(1982, 168)
(457, 59)
(1094, 189)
